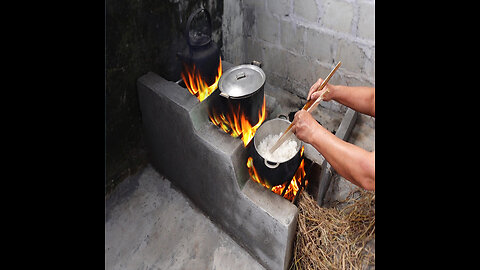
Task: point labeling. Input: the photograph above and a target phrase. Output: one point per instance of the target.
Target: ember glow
(292, 186)
(236, 123)
(196, 84)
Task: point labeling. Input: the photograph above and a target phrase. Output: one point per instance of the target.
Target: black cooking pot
(201, 51)
(275, 173)
(242, 90)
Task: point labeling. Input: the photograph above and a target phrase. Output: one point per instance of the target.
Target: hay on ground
(334, 238)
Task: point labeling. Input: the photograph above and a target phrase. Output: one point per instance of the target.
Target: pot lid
(241, 81)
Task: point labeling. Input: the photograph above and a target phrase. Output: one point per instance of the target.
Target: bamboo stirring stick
(309, 106)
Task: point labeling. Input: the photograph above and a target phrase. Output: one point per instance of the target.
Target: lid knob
(240, 75)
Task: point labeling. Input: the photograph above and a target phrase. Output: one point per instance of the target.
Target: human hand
(304, 126)
(314, 93)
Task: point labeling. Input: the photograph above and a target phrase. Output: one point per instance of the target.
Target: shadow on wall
(141, 36)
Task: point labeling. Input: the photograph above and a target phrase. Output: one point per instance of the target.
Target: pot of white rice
(280, 166)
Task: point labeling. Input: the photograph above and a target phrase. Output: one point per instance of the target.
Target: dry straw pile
(334, 238)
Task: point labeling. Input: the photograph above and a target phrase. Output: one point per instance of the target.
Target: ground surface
(151, 225)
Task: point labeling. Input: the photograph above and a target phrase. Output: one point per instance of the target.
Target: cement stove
(209, 166)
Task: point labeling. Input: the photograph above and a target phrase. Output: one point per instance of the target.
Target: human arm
(359, 98)
(350, 161)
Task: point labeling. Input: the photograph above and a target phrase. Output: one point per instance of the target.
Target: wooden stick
(309, 106)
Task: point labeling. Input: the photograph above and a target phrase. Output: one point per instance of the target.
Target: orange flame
(195, 83)
(292, 185)
(236, 124)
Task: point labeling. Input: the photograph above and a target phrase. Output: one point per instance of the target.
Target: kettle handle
(190, 21)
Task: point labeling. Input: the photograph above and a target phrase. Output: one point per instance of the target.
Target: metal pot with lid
(243, 86)
(241, 81)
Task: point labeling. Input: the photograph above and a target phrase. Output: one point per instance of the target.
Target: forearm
(359, 98)
(350, 161)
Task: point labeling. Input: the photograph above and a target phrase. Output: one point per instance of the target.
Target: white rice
(283, 153)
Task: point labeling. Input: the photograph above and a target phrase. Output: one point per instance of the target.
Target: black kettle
(201, 51)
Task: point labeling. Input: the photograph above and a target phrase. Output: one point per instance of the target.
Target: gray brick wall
(299, 41)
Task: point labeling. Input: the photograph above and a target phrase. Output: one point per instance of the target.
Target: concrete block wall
(299, 41)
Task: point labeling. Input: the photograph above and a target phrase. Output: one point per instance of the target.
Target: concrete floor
(151, 225)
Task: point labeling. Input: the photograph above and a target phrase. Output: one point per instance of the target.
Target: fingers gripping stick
(308, 107)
